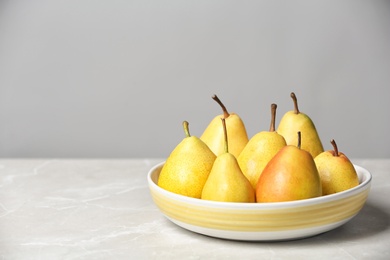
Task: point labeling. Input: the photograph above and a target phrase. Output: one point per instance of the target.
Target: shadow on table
(371, 220)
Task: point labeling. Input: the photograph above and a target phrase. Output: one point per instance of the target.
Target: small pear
(188, 166)
(336, 171)
(260, 149)
(226, 181)
(294, 121)
(290, 175)
(213, 135)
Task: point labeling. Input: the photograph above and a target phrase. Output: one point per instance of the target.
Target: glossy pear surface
(187, 168)
(227, 183)
(213, 135)
(290, 175)
(260, 149)
(337, 172)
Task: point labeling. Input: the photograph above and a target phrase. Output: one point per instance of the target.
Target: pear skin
(213, 135)
(290, 175)
(188, 166)
(226, 182)
(336, 171)
(260, 149)
(294, 121)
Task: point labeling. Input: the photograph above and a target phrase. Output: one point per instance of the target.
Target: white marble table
(102, 209)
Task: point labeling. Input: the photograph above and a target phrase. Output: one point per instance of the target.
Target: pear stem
(225, 112)
(186, 129)
(273, 117)
(296, 110)
(336, 150)
(299, 140)
(226, 145)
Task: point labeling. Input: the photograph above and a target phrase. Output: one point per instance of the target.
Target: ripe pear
(213, 135)
(260, 149)
(294, 121)
(336, 171)
(290, 175)
(188, 166)
(226, 181)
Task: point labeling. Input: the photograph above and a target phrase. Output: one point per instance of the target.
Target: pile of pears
(284, 164)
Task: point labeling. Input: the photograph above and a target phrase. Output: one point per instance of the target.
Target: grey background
(117, 78)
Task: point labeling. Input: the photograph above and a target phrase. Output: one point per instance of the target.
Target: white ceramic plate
(261, 221)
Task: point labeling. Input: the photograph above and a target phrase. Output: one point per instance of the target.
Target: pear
(294, 121)
(188, 166)
(260, 149)
(213, 135)
(336, 171)
(290, 175)
(226, 181)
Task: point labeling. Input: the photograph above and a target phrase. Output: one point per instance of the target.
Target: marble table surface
(102, 209)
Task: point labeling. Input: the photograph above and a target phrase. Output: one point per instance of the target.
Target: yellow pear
(336, 171)
(226, 181)
(213, 135)
(294, 121)
(260, 149)
(187, 167)
(290, 175)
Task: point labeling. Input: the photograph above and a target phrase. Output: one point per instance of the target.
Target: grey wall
(117, 78)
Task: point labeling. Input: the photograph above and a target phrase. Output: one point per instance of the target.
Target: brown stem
(186, 128)
(336, 150)
(296, 110)
(273, 117)
(226, 146)
(299, 140)
(225, 112)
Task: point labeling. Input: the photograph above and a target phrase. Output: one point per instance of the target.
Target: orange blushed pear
(290, 175)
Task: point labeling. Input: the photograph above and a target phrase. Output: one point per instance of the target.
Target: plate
(261, 221)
